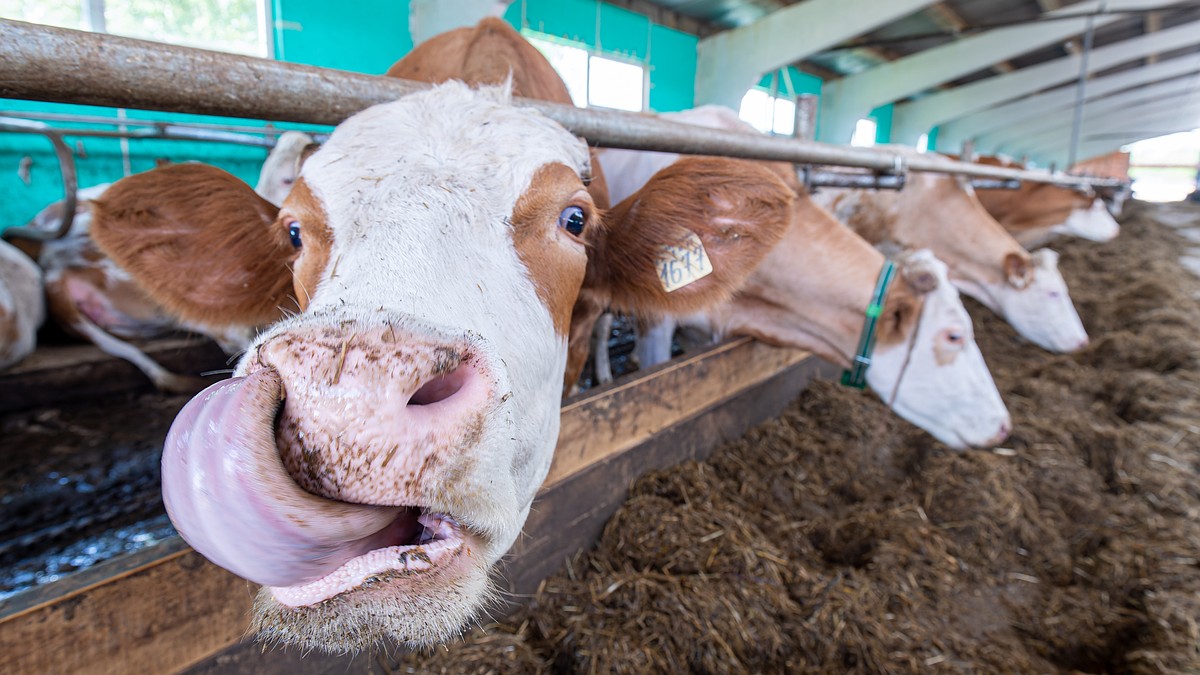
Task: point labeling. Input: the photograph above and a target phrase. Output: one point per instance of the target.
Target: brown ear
(305, 153)
(1016, 270)
(737, 210)
(901, 309)
(200, 242)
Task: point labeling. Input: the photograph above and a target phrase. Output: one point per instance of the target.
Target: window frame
(531, 35)
(92, 20)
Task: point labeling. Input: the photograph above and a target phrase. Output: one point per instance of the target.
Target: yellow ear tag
(683, 263)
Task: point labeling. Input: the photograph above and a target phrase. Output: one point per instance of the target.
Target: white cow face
(1094, 223)
(934, 376)
(1035, 301)
(378, 450)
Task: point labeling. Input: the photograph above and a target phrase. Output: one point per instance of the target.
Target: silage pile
(840, 539)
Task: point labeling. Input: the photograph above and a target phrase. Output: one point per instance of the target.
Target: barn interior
(735, 508)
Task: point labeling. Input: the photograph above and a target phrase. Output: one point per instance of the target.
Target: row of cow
(413, 310)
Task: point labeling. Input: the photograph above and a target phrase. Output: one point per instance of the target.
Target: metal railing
(56, 64)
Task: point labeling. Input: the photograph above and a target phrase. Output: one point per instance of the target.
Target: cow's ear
(689, 238)
(200, 242)
(1017, 270)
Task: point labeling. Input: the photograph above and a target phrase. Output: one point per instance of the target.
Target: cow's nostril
(440, 387)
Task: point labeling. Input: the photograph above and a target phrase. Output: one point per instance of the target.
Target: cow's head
(942, 213)
(378, 449)
(1034, 299)
(812, 292)
(1093, 222)
(927, 366)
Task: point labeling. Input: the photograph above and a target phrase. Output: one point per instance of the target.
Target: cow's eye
(294, 233)
(572, 220)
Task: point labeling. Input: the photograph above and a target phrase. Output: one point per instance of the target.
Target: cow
(22, 308)
(1037, 213)
(93, 298)
(380, 444)
(940, 212)
(812, 292)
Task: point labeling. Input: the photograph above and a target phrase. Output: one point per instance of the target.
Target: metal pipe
(813, 179)
(165, 132)
(1080, 88)
(806, 117)
(995, 184)
(66, 165)
(56, 64)
(267, 129)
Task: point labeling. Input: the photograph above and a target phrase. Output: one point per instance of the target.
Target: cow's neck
(811, 291)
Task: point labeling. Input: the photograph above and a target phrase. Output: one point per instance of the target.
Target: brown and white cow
(941, 213)
(812, 291)
(22, 308)
(380, 444)
(1037, 213)
(90, 296)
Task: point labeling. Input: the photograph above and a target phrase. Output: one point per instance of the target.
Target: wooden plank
(61, 373)
(155, 619)
(617, 417)
(168, 612)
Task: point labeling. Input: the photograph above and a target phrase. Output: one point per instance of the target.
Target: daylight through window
(236, 26)
(595, 80)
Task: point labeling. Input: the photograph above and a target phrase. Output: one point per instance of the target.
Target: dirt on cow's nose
(372, 415)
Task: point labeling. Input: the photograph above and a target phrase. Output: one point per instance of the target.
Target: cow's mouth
(415, 543)
(230, 496)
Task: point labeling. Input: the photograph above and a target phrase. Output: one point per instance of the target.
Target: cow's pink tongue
(228, 494)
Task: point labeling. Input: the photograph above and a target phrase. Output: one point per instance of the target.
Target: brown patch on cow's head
(1017, 270)
(901, 311)
(302, 208)
(165, 225)
(557, 271)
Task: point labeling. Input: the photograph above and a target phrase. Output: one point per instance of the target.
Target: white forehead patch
(450, 137)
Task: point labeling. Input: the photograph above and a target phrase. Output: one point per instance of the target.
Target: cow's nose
(1082, 344)
(1005, 429)
(376, 416)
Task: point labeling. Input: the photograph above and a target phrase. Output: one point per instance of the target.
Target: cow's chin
(393, 603)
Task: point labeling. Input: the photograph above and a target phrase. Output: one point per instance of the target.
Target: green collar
(856, 376)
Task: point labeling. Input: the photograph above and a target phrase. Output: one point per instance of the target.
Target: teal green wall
(883, 122)
(365, 36)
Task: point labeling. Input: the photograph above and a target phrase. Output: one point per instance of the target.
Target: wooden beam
(166, 609)
(730, 62)
(913, 119)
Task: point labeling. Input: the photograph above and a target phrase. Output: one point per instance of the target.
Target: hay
(839, 538)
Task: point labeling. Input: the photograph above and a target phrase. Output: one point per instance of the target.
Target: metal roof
(942, 23)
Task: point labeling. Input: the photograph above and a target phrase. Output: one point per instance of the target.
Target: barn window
(237, 26)
(768, 113)
(591, 79)
(864, 133)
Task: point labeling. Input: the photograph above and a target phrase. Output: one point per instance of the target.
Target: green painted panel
(365, 36)
(623, 32)
(883, 122)
(567, 19)
(672, 69)
(798, 81)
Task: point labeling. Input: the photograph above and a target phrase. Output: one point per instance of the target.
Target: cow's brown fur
(304, 208)
(535, 226)
(146, 226)
(1033, 206)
